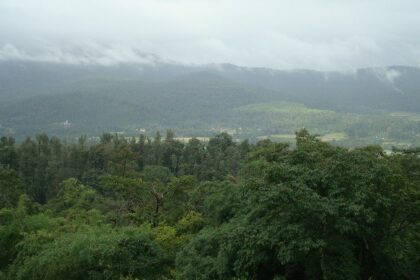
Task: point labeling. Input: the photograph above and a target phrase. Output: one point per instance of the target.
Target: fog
(323, 35)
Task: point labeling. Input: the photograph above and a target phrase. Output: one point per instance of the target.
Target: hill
(197, 100)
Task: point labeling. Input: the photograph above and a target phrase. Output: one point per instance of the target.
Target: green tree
(11, 188)
(8, 154)
(99, 253)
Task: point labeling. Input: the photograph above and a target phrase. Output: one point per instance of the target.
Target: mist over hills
(87, 98)
(209, 140)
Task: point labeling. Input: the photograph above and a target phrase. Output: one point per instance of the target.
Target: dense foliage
(162, 209)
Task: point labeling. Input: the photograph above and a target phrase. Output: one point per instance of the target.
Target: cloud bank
(86, 54)
(289, 34)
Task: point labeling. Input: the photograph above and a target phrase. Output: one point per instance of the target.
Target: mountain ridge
(36, 95)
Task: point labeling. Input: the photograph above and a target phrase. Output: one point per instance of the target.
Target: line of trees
(162, 209)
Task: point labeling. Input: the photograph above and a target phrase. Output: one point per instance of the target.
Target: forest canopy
(164, 209)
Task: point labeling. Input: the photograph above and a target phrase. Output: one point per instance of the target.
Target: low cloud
(87, 54)
(387, 75)
(289, 34)
(391, 75)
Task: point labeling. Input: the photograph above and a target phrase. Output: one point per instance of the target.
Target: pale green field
(337, 136)
(278, 121)
(333, 136)
(279, 137)
(282, 107)
(406, 115)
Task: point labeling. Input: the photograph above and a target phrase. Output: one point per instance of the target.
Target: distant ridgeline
(166, 209)
(366, 106)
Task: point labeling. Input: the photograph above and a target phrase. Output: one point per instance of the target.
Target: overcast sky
(284, 34)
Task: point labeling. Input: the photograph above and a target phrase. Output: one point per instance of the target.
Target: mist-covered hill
(89, 99)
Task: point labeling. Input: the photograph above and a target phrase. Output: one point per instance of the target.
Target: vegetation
(164, 209)
(278, 120)
(361, 108)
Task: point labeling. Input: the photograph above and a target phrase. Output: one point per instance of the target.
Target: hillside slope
(90, 99)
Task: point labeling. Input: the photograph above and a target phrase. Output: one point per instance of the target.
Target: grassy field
(333, 136)
(278, 122)
(282, 107)
(406, 115)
